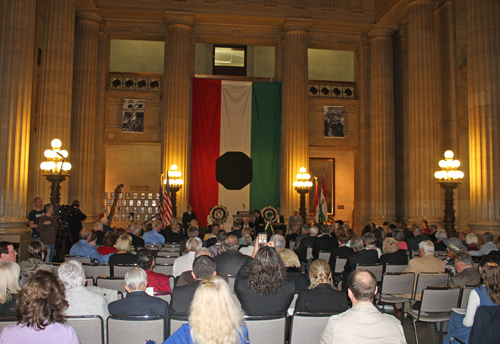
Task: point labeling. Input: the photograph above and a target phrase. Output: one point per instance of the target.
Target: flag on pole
(165, 206)
(321, 205)
(316, 214)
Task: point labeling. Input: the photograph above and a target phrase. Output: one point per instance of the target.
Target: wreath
(269, 214)
(219, 213)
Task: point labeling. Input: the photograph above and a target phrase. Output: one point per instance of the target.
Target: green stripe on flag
(266, 144)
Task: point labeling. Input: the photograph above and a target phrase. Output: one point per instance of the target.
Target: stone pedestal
(83, 123)
(483, 78)
(295, 127)
(425, 198)
(383, 195)
(177, 90)
(17, 35)
(56, 86)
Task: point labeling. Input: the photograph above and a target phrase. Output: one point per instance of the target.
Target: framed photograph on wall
(323, 168)
(139, 203)
(115, 217)
(124, 202)
(135, 195)
(105, 195)
(150, 195)
(146, 217)
(333, 117)
(105, 211)
(124, 217)
(157, 196)
(146, 203)
(153, 203)
(150, 210)
(134, 210)
(120, 209)
(112, 195)
(127, 195)
(143, 210)
(131, 203)
(108, 203)
(127, 210)
(143, 195)
(120, 195)
(138, 217)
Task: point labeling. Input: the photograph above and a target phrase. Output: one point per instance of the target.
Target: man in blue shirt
(86, 246)
(153, 236)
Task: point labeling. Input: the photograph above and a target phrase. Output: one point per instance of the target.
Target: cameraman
(47, 227)
(75, 222)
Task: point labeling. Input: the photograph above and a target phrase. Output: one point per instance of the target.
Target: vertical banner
(133, 115)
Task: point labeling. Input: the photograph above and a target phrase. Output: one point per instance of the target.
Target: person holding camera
(75, 222)
(47, 227)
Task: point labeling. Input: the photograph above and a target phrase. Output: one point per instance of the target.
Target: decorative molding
(135, 82)
(331, 91)
(89, 15)
(386, 31)
(297, 24)
(179, 18)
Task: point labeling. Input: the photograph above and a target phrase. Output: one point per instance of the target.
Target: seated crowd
(226, 276)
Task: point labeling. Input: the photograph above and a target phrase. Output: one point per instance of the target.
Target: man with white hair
(105, 225)
(185, 262)
(419, 236)
(305, 243)
(81, 300)
(427, 262)
(135, 231)
(487, 247)
(137, 302)
(230, 260)
(192, 232)
(154, 236)
(279, 241)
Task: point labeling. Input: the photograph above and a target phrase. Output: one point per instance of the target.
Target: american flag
(165, 207)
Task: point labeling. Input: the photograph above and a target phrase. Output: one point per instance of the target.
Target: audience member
(185, 262)
(108, 242)
(440, 236)
(359, 256)
(7, 252)
(419, 236)
(186, 277)
(47, 227)
(363, 323)
(216, 248)
(321, 297)
(159, 282)
(86, 247)
(432, 233)
(81, 300)
(467, 274)
(40, 313)
(454, 246)
(486, 294)
(154, 237)
(342, 251)
(231, 260)
(122, 254)
(392, 253)
(99, 232)
(212, 300)
(400, 238)
(369, 240)
(324, 242)
(293, 272)
(192, 231)
(305, 243)
(304, 234)
(472, 242)
(37, 251)
(379, 235)
(246, 247)
(9, 286)
(295, 219)
(105, 225)
(260, 225)
(279, 242)
(175, 235)
(487, 247)
(292, 236)
(264, 288)
(236, 230)
(135, 232)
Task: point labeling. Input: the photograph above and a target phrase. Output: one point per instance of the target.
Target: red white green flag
(321, 205)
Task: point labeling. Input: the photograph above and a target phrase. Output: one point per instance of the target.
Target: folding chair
(176, 323)
(55, 267)
(435, 306)
(292, 245)
(325, 255)
(96, 270)
(230, 280)
(116, 283)
(377, 269)
(166, 269)
(394, 286)
(429, 279)
(339, 265)
(486, 328)
(90, 281)
(120, 270)
(464, 299)
(294, 300)
(6, 321)
(128, 329)
(269, 329)
(81, 259)
(309, 253)
(165, 260)
(395, 268)
(307, 327)
(88, 328)
(164, 296)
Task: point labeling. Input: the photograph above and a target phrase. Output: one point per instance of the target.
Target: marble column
(84, 119)
(383, 173)
(177, 100)
(17, 36)
(425, 194)
(295, 127)
(483, 79)
(55, 87)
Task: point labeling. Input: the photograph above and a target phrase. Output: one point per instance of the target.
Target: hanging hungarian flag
(240, 121)
(321, 205)
(165, 207)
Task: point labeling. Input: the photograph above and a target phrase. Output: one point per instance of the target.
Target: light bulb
(66, 166)
(56, 143)
(173, 167)
(51, 165)
(43, 165)
(165, 182)
(306, 176)
(448, 154)
(302, 170)
(64, 153)
(298, 176)
(181, 182)
(460, 174)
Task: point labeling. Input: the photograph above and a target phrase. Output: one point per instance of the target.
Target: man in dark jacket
(359, 256)
(230, 261)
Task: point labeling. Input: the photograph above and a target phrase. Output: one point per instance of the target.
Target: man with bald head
(230, 260)
(363, 323)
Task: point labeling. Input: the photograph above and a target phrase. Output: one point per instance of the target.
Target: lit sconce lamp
(175, 183)
(55, 169)
(303, 185)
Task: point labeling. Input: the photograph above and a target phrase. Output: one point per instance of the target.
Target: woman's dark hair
(109, 239)
(36, 249)
(489, 276)
(120, 231)
(267, 273)
(378, 234)
(42, 301)
(367, 229)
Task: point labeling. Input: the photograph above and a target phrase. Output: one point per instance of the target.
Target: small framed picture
(124, 202)
(157, 196)
(112, 195)
(120, 195)
(134, 210)
(139, 203)
(146, 217)
(124, 217)
(153, 203)
(115, 218)
(127, 195)
(143, 195)
(150, 210)
(131, 203)
(143, 210)
(120, 209)
(146, 203)
(105, 210)
(127, 210)
(138, 217)
(150, 195)
(135, 195)
(105, 195)
(108, 203)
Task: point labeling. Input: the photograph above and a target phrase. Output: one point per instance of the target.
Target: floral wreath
(269, 214)
(219, 213)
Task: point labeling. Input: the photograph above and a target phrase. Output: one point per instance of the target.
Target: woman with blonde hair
(393, 255)
(321, 297)
(292, 265)
(213, 300)
(9, 286)
(123, 248)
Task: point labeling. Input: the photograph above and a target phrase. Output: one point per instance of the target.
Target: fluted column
(295, 127)
(425, 196)
(83, 121)
(383, 207)
(483, 79)
(56, 87)
(17, 34)
(178, 57)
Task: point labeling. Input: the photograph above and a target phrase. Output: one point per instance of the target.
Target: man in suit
(305, 243)
(188, 216)
(467, 273)
(192, 232)
(343, 251)
(359, 256)
(203, 267)
(135, 231)
(137, 302)
(304, 234)
(325, 242)
(419, 236)
(426, 262)
(230, 261)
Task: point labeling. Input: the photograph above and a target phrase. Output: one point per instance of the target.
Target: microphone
(62, 156)
(243, 207)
